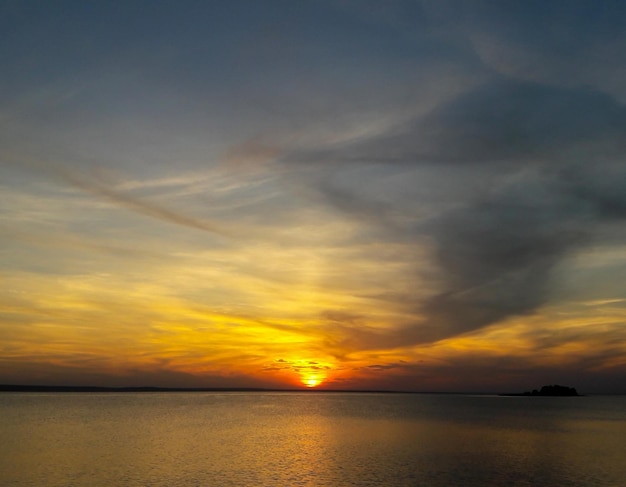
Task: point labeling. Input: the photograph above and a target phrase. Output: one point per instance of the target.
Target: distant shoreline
(105, 389)
(43, 388)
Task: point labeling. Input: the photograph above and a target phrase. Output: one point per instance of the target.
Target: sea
(172, 439)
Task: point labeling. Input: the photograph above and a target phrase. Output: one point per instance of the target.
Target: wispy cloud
(151, 209)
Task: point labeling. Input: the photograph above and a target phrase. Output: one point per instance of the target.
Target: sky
(399, 195)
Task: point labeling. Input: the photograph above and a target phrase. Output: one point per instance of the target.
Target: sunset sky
(350, 194)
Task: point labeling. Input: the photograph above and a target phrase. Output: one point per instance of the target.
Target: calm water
(317, 439)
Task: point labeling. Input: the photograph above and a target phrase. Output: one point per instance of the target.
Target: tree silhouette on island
(553, 390)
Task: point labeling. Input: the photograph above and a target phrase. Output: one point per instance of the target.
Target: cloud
(250, 153)
(495, 258)
(77, 372)
(98, 188)
(550, 167)
(573, 44)
(500, 121)
(383, 367)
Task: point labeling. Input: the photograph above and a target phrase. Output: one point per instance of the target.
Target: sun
(311, 381)
(309, 373)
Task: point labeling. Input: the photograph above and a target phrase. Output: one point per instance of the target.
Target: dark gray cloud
(508, 120)
(495, 258)
(552, 163)
(565, 43)
(498, 122)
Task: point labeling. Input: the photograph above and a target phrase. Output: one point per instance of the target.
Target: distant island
(553, 390)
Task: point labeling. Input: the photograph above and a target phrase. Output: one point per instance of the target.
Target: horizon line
(91, 388)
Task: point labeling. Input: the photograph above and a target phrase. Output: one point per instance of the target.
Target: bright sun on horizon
(312, 381)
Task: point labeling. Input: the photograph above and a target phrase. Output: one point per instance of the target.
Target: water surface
(317, 439)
